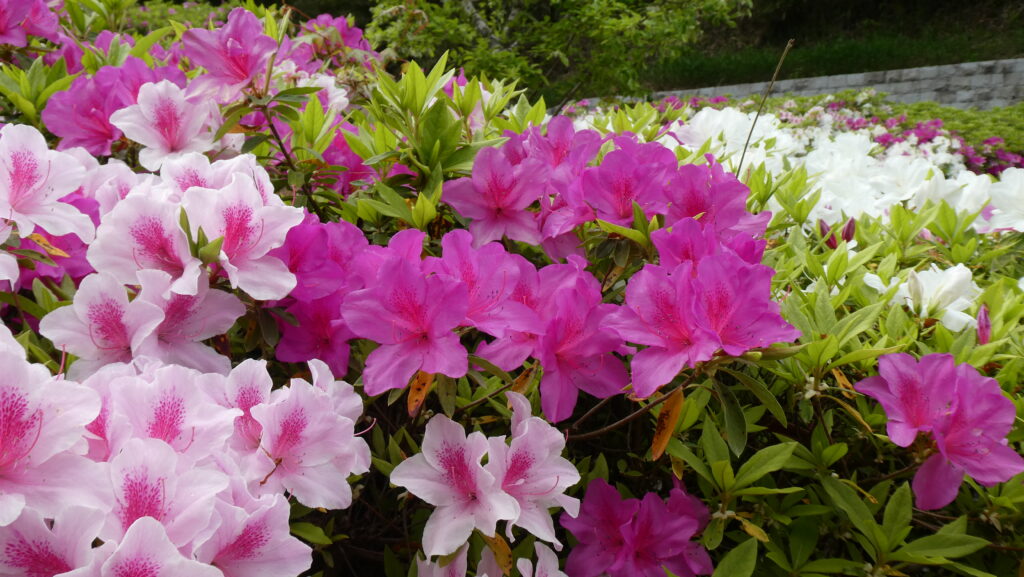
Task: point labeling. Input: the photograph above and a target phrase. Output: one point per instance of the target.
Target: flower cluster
(170, 468)
(967, 415)
(627, 537)
(522, 479)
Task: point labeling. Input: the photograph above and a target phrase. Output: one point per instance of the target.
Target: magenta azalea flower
(490, 275)
(628, 538)
(233, 55)
(736, 298)
(599, 530)
(411, 316)
(662, 311)
(914, 394)
(967, 414)
(448, 475)
(495, 199)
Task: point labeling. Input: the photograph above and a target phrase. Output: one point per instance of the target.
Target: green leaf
(941, 545)
(861, 355)
(310, 533)
(446, 390)
(735, 421)
(846, 499)
(146, 43)
(680, 451)
(633, 235)
(898, 513)
(739, 562)
(211, 252)
(832, 566)
(762, 393)
(765, 461)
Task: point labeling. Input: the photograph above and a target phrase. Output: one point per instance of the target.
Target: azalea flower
(495, 198)
(307, 448)
(255, 541)
(412, 316)
(531, 469)
(144, 547)
(967, 414)
(448, 475)
(936, 292)
(251, 227)
(30, 546)
(100, 326)
(165, 123)
(33, 179)
(233, 55)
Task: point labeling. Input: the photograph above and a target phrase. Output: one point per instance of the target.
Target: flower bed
(270, 311)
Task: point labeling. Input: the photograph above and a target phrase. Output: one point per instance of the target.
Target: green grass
(876, 51)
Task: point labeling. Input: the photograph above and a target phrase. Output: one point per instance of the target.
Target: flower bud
(849, 230)
(826, 233)
(984, 326)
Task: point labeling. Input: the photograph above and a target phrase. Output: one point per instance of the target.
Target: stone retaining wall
(971, 84)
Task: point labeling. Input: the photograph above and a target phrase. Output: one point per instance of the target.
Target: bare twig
(764, 98)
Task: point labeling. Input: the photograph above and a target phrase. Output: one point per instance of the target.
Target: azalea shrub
(271, 311)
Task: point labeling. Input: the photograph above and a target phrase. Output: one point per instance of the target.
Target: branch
(480, 24)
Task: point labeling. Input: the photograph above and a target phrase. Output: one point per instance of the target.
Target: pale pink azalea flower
(195, 170)
(448, 475)
(150, 480)
(33, 179)
(547, 564)
(455, 568)
(32, 547)
(251, 227)
(188, 320)
(9, 270)
(44, 421)
(531, 469)
(247, 385)
(310, 449)
(172, 405)
(143, 233)
(254, 541)
(166, 123)
(100, 326)
(344, 399)
(144, 551)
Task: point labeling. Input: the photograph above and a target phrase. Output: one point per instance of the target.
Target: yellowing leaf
(522, 382)
(667, 420)
(418, 389)
(844, 383)
(45, 244)
(502, 552)
(753, 530)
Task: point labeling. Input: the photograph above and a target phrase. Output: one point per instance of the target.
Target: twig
(483, 400)
(632, 416)
(764, 98)
(590, 413)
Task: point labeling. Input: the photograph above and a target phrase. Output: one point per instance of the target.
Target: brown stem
(632, 416)
(764, 98)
